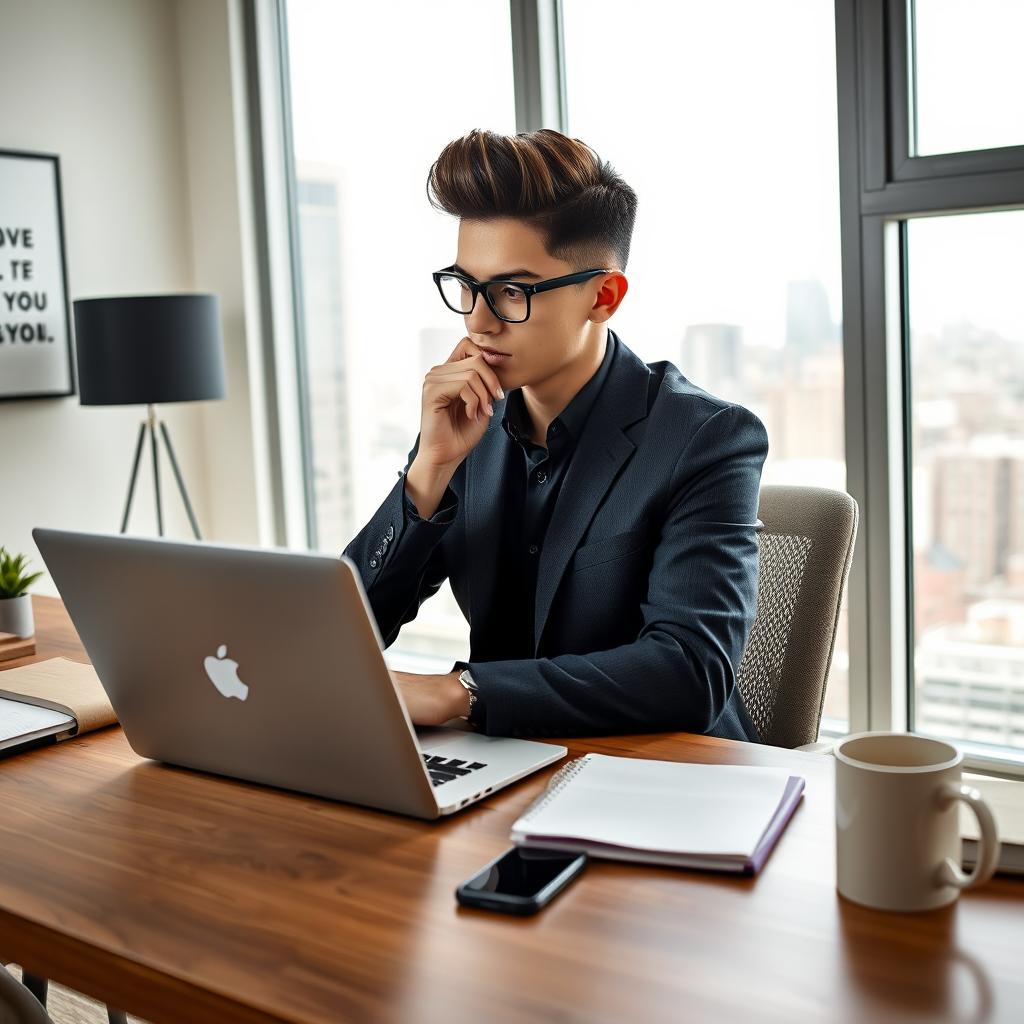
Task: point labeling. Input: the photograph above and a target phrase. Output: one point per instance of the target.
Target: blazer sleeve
(399, 555)
(680, 671)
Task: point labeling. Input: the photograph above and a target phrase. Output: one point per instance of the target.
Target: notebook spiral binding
(558, 782)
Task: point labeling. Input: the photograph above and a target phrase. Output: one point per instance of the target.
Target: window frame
(274, 308)
(882, 186)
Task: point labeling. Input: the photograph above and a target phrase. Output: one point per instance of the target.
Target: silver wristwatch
(470, 684)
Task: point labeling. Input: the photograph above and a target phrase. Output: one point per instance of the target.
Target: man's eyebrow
(508, 274)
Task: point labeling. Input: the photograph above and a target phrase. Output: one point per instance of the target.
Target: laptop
(268, 666)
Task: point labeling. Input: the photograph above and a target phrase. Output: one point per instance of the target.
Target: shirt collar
(572, 418)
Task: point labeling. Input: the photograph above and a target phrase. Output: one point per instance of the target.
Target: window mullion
(538, 64)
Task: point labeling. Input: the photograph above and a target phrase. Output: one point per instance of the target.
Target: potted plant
(15, 602)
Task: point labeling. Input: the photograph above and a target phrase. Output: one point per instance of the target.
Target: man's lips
(492, 357)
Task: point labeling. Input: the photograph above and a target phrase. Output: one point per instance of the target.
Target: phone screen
(523, 874)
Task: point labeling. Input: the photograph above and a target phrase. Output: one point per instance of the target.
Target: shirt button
(373, 563)
(541, 476)
(391, 533)
(534, 549)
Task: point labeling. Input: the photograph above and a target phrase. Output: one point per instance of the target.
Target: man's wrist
(426, 486)
(460, 696)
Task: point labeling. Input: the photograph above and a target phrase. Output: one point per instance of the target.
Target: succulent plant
(14, 581)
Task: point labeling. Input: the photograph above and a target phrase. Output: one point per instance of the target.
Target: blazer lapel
(488, 464)
(600, 454)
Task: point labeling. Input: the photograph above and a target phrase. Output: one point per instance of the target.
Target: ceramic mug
(898, 843)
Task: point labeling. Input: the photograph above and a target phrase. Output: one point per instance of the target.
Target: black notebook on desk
(715, 816)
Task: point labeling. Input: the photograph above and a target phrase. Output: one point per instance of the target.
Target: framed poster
(35, 316)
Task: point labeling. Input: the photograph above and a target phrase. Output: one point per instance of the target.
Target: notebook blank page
(663, 805)
(20, 719)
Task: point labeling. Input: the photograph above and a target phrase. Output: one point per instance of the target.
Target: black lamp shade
(142, 349)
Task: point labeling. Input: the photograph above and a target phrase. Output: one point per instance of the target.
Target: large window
(966, 319)
(932, 186)
(377, 90)
(749, 130)
(735, 264)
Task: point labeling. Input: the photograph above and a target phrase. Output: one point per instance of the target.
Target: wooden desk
(189, 898)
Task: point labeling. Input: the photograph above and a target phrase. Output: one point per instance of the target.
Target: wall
(141, 100)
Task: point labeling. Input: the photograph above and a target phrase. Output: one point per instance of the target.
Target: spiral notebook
(714, 816)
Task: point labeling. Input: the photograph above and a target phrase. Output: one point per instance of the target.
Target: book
(56, 697)
(12, 646)
(712, 816)
(1006, 798)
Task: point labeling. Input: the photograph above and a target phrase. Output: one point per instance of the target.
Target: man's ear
(612, 291)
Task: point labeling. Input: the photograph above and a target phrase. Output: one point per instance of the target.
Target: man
(596, 515)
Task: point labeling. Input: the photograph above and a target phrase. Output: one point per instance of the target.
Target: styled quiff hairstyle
(559, 186)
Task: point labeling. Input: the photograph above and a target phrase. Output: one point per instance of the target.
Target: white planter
(16, 616)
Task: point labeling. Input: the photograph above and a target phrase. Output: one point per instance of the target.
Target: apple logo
(223, 673)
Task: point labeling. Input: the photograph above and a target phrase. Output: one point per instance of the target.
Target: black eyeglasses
(507, 300)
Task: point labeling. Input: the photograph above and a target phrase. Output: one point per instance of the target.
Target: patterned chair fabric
(806, 547)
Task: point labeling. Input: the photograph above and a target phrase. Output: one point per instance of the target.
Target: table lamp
(145, 350)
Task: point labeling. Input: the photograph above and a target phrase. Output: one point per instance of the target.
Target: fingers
(465, 347)
(470, 369)
(466, 377)
(474, 395)
(479, 389)
(478, 403)
(463, 385)
(467, 352)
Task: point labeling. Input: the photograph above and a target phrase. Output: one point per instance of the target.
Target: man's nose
(480, 319)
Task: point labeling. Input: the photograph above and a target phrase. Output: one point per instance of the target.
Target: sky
(970, 76)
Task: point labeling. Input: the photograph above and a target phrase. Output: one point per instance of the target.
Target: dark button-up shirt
(527, 499)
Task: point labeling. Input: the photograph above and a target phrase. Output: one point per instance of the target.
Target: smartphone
(521, 881)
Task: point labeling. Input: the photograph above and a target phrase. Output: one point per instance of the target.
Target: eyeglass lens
(509, 301)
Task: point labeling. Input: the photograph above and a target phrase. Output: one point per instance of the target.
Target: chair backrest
(17, 1004)
(806, 548)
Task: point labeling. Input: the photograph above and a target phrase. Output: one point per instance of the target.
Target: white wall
(140, 100)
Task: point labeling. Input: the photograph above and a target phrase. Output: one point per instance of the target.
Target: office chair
(806, 548)
(17, 1004)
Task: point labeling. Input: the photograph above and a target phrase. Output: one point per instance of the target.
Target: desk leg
(39, 986)
(36, 985)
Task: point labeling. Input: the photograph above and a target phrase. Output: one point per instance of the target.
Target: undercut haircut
(581, 207)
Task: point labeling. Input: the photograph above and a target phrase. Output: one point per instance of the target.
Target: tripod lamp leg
(156, 472)
(135, 473)
(180, 479)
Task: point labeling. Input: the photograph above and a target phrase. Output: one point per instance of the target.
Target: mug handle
(950, 872)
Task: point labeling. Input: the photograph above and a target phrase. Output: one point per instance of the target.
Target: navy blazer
(647, 581)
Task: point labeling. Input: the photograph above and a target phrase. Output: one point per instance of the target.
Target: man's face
(556, 332)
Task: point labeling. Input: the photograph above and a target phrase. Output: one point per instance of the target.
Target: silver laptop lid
(265, 665)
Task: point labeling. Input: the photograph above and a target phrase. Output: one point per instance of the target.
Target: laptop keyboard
(442, 770)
